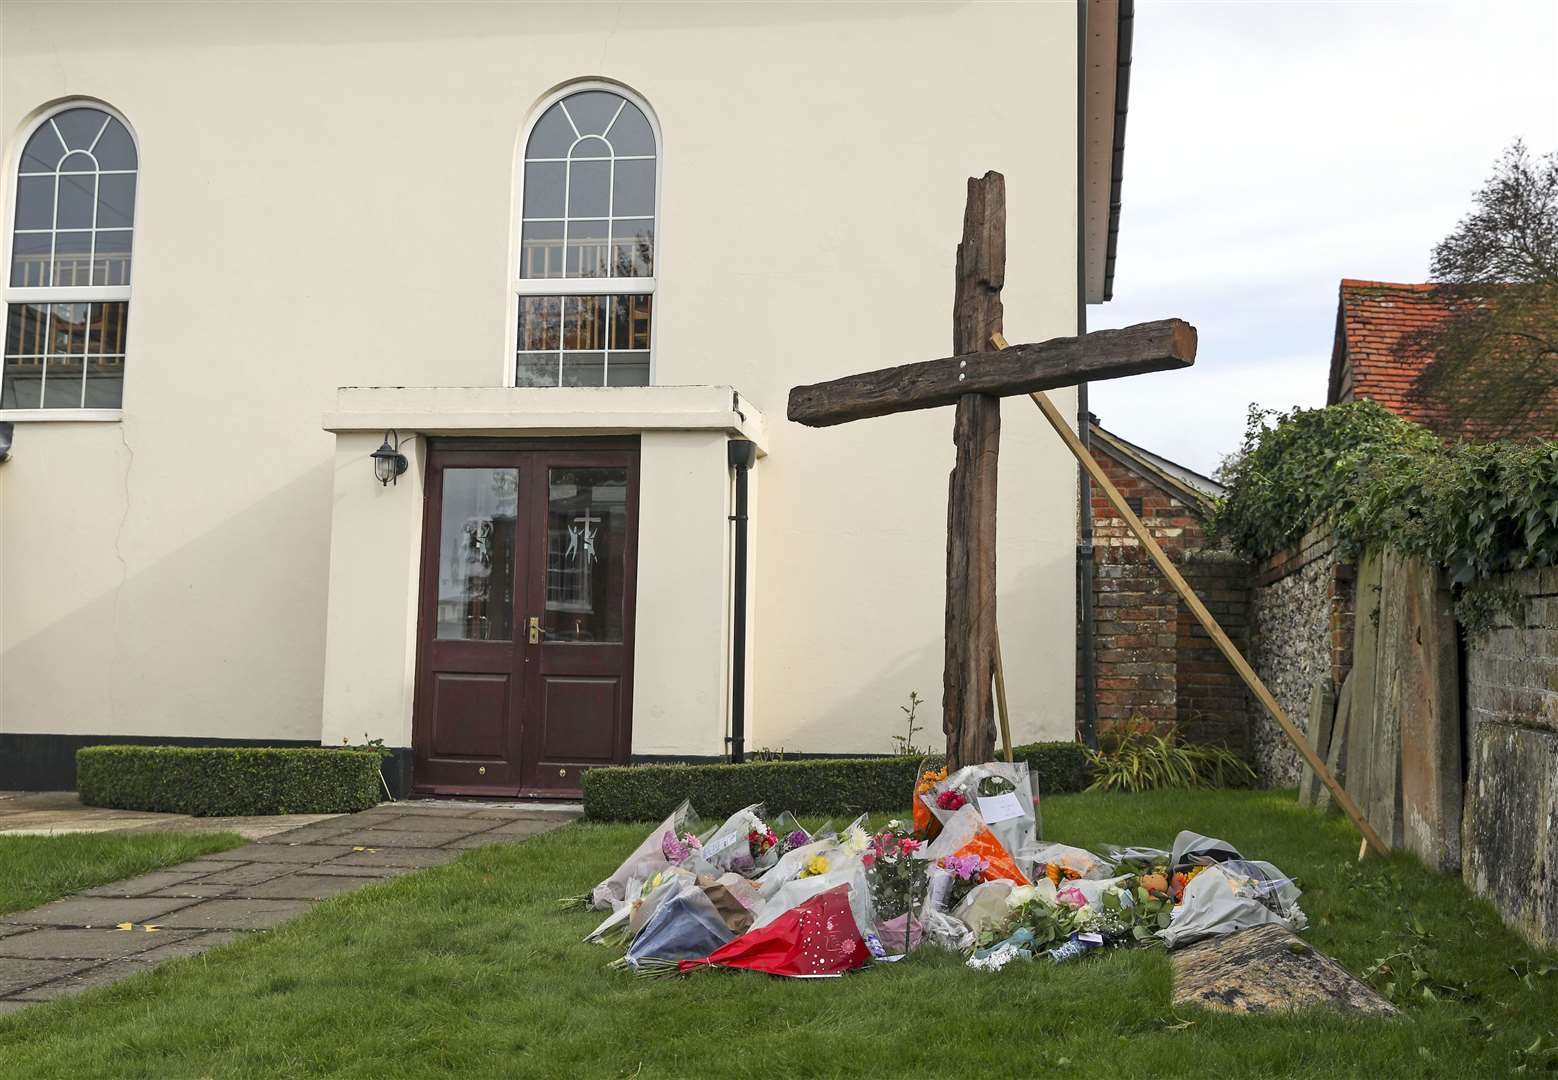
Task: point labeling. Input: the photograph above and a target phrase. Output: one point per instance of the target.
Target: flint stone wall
(1301, 629)
(1510, 834)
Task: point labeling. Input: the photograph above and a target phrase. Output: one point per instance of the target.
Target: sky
(1274, 148)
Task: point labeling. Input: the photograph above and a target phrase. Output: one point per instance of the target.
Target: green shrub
(229, 780)
(808, 786)
(1143, 759)
(1381, 483)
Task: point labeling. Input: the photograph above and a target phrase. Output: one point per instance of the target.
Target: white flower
(894, 825)
(855, 841)
(1020, 895)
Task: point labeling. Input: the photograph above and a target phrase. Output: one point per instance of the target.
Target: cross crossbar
(1017, 369)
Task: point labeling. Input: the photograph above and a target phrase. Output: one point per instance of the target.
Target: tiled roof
(1379, 352)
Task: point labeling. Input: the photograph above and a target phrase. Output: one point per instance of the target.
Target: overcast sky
(1273, 149)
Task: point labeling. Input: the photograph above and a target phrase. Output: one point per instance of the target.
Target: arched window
(587, 243)
(68, 290)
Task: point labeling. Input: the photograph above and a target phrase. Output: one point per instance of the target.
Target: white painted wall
(326, 199)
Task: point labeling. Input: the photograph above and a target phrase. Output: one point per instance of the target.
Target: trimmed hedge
(807, 786)
(228, 781)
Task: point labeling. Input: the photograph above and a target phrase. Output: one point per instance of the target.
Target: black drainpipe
(740, 453)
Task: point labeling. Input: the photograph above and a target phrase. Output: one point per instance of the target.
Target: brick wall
(1153, 661)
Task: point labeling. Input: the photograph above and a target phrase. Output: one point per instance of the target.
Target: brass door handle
(535, 630)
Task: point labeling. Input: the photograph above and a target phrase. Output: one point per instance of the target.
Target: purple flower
(966, 867)
(797, 838)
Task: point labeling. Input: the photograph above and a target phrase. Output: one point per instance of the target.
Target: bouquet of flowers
(648, 859)
(1003, 793)
(898, 877)
(924, 823)
(965, 833)
(676, 850)
(962, 873)
(732, 845)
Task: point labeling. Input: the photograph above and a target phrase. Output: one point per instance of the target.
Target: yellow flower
(815, 866)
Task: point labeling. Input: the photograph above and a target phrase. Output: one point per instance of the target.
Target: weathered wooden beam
(1016, 369)
(1372, 842)
(967, 705)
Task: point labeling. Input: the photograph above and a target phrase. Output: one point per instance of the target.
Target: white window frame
(606, 286)
(80, 294)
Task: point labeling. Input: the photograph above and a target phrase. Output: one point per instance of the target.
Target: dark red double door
(525, 657)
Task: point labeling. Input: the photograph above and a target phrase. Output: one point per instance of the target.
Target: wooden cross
(975, 380)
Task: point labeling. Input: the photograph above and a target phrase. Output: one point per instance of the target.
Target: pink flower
(950, 799)
(1071, 895)
(868, 858)
(907, 846)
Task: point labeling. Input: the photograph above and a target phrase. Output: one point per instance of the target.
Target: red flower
(950, 799)
(868, 858)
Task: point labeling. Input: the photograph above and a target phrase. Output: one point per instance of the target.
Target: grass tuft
(37, 869)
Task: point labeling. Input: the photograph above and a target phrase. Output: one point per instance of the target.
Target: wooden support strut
(1371, 839)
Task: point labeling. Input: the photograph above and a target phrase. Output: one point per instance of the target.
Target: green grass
(472, 971)
(37, 869)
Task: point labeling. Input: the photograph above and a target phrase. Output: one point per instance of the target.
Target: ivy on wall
(1383, 483)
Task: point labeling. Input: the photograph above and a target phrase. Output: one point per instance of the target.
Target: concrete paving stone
(7, 929)
(286, 853)
(237, 914)
(383, 838)
(197, 941)
(101, 975)
(202, 890)
(429, 823)
(518, 814)
(335, 869)
(55, 944)
(223, 861)
(414, 857)
(146, 884)
(303, 836)
(16, 976)
(98, 911)
(248, 873)
(304, 887)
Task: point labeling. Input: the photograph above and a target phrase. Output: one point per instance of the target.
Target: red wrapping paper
(816, 938)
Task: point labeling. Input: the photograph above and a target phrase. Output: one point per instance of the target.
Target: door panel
(470, 714)
(468, 684)
(526, 628)
(582, 678)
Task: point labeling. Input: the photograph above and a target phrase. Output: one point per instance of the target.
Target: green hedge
(808, 786)
(229, 780)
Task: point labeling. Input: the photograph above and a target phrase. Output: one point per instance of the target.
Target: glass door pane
(586, 534)
(476, 554)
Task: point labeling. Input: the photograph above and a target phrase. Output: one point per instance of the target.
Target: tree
(1495, 356)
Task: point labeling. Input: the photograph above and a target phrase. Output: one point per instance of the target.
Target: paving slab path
(74, 943)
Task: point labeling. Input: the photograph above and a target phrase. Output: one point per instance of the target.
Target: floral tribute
(785, 900)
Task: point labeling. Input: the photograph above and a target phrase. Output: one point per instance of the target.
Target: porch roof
(565, 410)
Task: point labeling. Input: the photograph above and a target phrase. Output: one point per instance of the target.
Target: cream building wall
(327, 198)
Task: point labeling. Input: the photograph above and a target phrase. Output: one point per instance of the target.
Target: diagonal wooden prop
(1371, 839)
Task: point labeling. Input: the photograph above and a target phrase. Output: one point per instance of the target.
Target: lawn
(37, 869)
(472, 970)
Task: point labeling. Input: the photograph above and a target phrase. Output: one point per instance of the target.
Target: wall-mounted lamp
(6, 429)
(388, 461)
